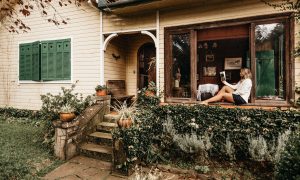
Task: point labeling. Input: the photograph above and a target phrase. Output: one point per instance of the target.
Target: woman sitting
(238, 93)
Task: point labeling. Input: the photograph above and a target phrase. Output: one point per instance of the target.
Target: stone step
(101, 135)
(111, 118)
(106, 126)
(97, 148)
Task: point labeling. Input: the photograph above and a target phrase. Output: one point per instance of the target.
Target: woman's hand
(223, 82)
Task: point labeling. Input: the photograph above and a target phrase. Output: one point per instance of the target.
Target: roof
(106, 5)
(130, 7)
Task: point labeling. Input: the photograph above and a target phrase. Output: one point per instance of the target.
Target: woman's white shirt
(242, 88)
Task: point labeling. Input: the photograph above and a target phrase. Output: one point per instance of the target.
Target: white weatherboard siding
(83, 29)
(115, 69)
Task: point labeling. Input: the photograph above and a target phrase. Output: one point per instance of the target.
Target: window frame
(69, 81)
(288, 61)
(286, 18)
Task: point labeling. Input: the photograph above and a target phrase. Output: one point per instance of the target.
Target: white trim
(106, 41)
(132, 31)
(157, 54)
(101, 51)
(45, 82)
(151, 35)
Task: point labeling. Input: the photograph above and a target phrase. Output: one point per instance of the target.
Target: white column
(157, 53)
(101, 51)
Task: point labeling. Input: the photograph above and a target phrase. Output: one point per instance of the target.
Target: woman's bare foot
(204, 103)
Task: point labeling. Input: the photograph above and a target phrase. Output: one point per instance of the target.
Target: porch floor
(231, 105)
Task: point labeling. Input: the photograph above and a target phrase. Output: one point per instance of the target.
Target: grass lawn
(22, 154)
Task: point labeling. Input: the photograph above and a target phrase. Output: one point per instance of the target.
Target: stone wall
(69, 135)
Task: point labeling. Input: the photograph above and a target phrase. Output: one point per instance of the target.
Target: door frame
(138, 62)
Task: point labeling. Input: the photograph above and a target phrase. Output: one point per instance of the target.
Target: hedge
(236, 123)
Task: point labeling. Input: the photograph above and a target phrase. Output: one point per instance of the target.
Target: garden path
(82, 167)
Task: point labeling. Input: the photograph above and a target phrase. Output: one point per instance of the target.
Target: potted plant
(67, 113)
(151, 89)
(101, 90)
(126, 114)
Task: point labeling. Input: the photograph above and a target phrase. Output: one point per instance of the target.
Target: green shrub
(52, 103)
(222, 123)
(20, 113)
(144, 100)
(101, 87)
(289, 164)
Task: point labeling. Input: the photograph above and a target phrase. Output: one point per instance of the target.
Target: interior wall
(115, 59)
(134, 43)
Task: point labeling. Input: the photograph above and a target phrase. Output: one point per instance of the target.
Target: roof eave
(104, 6)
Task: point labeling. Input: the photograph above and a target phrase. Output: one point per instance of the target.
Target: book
(223, 76)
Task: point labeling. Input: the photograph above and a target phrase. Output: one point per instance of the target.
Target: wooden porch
(231, 105)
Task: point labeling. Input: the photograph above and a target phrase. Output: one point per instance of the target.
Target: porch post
(101, 51)
(157, 53)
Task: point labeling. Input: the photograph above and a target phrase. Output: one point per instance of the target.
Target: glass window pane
(181, 66)
(270, 66)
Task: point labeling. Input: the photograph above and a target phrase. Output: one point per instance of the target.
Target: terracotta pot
(66, 116)
(124, 123)
(101, 93)
(149, 93)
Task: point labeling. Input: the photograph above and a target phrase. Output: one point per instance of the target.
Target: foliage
(125, 111)
(20, 113)
(192, 143)
(297, 90)
(230, 152)
(152, 174)
(202, 169)
(154, 126)
(287, 5)
(258, 148)
(23, 155)
(144, 100)
(289, 164)
(281, 144)
(52, 103)
(11, 12)
(152, 87)
(100, 87)
(67, 109)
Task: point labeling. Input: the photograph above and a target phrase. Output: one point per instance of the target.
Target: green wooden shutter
(55, 60)
(36, 61)
(66, 59)
(44, 60)
(59, 59)
(29, 61)
(22, 62)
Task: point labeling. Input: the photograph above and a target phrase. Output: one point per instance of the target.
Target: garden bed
(243, 143)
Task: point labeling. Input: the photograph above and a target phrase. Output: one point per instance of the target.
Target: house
(178, 44)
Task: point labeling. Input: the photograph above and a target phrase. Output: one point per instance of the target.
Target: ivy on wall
(148, 134)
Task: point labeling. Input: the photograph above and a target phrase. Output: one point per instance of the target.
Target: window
(270, 61)
(45, 60)
(181, 79)
(196, 54)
